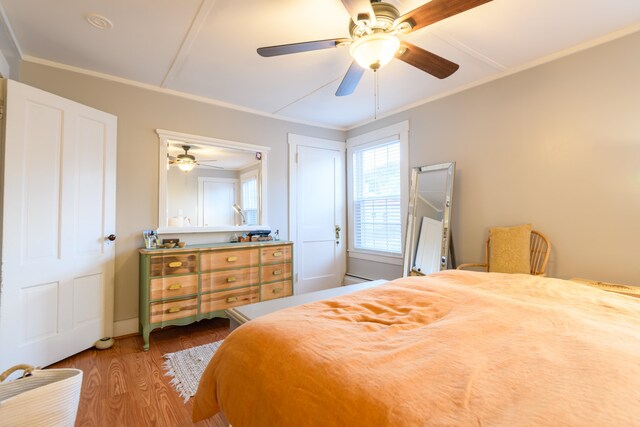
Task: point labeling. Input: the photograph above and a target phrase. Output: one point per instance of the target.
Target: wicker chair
(539, 249)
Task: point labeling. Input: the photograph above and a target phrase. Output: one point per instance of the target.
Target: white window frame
(248, 176)
(399, 132)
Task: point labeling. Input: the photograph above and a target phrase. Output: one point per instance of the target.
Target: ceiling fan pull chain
(377, 91)
(376, 94)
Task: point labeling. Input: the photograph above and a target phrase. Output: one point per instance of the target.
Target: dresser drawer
(165, 311)
(275, 290)
(273, 254)
(225, 279)
(271, 273)
(228, 259)
(174, 286)
(166, 265)
(227, 299)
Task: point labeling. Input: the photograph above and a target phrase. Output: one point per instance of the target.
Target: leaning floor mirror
(428, 239)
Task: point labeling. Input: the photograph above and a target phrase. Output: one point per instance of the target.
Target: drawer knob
(232, 299)
(231, 279)
(276, 290)
(175, 264)
(175, 287)
(232, 258)
(174, 309)
(277, 254)
(277, 272)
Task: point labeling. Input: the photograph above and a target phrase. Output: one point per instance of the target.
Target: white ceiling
(207, 48)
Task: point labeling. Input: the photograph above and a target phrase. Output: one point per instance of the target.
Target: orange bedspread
(454, 348)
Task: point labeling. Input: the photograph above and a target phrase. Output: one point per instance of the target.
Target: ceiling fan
(186, 162)
(374, 29)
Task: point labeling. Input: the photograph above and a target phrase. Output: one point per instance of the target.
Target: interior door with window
(318, 212)
(58, 227)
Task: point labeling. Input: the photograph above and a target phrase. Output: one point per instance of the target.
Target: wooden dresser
(182, 286)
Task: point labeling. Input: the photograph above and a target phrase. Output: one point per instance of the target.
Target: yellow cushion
(509, 249)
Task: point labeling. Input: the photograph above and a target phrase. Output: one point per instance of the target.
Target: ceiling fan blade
(426, 61)
(350, 80)
(436, 10)
(360, 10)
(285, 49)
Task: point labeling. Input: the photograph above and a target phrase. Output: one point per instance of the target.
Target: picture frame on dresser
(184, 285)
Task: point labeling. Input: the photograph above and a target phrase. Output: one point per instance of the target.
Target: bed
(451, 348)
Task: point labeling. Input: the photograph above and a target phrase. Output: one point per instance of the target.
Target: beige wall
(139, 113)
(557, 146)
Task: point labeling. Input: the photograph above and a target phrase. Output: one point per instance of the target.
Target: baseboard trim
(126, 327)
(352, 279)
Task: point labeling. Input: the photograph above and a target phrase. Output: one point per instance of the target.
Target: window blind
(376, 198)
(250, 200)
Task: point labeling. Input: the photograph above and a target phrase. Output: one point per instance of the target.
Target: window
(378, 188)
(250, 197)
(376, 198)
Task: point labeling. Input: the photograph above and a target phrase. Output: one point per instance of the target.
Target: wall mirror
(208, 184)
(427, 242)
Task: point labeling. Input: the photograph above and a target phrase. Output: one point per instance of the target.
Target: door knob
(111, 237)
(338, 229)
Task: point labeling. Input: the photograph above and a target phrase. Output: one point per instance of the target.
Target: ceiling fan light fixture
(374, 50)
(186, 167)
(186, 162)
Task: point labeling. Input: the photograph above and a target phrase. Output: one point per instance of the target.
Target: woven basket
(41, 397)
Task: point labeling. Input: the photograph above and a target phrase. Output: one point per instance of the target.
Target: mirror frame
(410, 241)
(164, 137)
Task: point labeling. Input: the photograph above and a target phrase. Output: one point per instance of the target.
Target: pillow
(509, 249)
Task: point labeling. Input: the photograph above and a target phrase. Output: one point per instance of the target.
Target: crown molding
(166, 91)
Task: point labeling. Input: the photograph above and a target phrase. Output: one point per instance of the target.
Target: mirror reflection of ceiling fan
(374, 28)
(186, 162)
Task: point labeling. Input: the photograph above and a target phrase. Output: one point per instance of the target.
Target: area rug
(186, 367)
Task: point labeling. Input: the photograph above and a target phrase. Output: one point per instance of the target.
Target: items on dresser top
(254, 236)
(150, 238)
(182, 286)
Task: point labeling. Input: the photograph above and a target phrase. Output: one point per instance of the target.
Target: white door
(429, 249)
(59, 209)
(318, 214)
(216, 197)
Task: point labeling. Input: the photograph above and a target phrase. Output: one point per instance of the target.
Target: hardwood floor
(125, 386)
